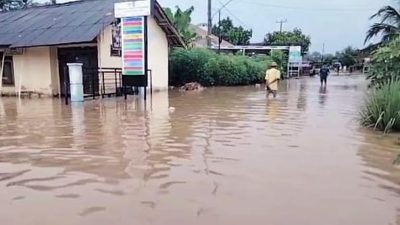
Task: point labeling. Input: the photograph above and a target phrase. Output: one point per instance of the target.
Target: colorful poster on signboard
(133, 47)
(295, 54)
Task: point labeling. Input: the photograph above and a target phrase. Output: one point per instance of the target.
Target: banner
(133, 52)
(295, 54)
(116, 45)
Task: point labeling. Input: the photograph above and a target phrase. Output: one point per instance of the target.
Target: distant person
(324, 73)
(273, 75)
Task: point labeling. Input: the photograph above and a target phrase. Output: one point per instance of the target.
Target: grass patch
(382, 108)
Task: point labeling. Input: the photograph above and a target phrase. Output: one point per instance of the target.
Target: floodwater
(222, 156)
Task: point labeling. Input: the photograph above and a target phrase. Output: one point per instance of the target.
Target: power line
(222, 7)
(209, 23)
(237, 18)
(310, 9)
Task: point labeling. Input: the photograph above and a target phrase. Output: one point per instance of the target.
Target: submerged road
(222, 156)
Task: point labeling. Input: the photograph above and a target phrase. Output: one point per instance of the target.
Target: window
(8, 72)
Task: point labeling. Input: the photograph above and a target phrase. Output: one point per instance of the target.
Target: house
(37, 43)
(201, 41)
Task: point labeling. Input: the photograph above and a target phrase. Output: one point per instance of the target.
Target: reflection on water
(223, 156)
(323, 94)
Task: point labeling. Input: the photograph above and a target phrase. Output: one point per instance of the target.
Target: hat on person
(274, 64)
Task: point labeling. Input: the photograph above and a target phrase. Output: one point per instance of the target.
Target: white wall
(33, 72)
(55, 76)
(158, 54)
(104, 41)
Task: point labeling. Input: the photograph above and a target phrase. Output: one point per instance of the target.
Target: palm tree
(182, 20)
(389, 26)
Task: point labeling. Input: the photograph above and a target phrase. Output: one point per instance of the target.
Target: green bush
(382, 108)
(189, 65)
(385, 64)
(281, 58)
(209, 68)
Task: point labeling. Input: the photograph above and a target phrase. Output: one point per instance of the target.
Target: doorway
(88, 57)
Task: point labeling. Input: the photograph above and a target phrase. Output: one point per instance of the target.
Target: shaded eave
(174, 39)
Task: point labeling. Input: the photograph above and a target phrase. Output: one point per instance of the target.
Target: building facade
(36, 45)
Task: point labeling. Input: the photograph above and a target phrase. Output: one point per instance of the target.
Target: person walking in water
(323, 73)
(273, 75)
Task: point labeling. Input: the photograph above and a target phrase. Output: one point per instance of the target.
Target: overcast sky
(337, 23)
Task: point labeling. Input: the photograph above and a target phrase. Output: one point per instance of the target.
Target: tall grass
(382, 108)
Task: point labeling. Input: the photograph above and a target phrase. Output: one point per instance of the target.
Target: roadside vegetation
(385, 65)
(210, 69)
(382, 106)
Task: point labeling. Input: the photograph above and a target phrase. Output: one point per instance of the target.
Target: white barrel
(76, 81)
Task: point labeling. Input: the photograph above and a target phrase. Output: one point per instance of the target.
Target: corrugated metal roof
(68, 23)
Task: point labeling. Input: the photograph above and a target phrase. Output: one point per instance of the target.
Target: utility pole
(219, 32)
(323, 52)
(281, 22)
(209, 27)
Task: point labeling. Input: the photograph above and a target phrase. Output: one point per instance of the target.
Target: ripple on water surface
(223, 156)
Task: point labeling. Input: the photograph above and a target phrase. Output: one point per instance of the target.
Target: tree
(314, 57)
(347, 57)
(7, 5)
(182, 20)
(295, 37)
(389, 25)
(280, 58)
(232, 34)
(328, 59)
(385, 66)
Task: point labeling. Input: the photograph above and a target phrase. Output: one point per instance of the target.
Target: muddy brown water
(222, 156)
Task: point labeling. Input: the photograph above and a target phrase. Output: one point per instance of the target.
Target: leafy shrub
(280, 58)
(209, 68)
(382, 108)
(189, 65)
(385, 64)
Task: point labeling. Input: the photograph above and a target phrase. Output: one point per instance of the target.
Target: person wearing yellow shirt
(273, 75)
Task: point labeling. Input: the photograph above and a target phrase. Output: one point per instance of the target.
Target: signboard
(133, 46)
(295, 54)
(132, 8)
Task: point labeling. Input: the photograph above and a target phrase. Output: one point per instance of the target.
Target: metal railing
(111, 82)
(104, 82)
